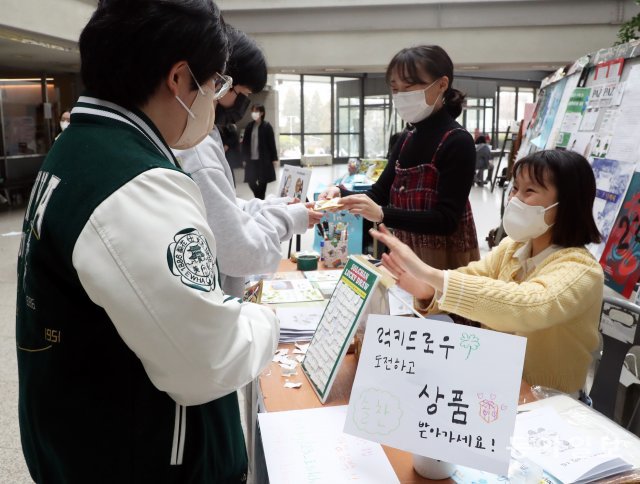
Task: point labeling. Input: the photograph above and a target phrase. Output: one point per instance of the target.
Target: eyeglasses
(221, 85)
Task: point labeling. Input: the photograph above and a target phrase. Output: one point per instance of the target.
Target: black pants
(259, 189)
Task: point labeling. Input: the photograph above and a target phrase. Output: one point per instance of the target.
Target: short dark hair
(128, 47)
(481, 140)
(575, 183)
(247, 65)
(259, 107)
(433, 60)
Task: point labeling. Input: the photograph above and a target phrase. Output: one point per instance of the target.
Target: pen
(323, 234)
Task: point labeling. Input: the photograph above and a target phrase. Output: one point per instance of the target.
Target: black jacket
(261, 170)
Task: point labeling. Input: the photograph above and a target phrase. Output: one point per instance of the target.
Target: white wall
(354, 35)
(311, 35)
(503, 48)
(57, 19)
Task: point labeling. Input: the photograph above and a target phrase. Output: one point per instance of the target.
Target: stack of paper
(325, 281)
(289, 291)
(564, 451)
(298, 324)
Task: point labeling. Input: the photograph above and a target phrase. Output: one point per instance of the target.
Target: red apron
(416, 189)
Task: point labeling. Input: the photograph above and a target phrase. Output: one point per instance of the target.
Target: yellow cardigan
(556, 307)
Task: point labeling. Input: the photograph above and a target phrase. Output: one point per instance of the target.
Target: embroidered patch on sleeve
(190, 258)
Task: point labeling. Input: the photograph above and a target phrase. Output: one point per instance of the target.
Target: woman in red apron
(423, 193)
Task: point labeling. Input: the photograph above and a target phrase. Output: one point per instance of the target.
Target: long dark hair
(431, 60)
(575, 183)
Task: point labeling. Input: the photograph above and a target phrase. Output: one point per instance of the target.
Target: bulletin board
(591, 107)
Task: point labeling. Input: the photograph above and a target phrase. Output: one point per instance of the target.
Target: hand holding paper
(329, 193)
(314, 215)
(361, 204)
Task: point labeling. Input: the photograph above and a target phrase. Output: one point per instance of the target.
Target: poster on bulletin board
(621, 257)
(437, 389)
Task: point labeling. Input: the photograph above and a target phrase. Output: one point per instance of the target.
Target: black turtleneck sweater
(455, 162)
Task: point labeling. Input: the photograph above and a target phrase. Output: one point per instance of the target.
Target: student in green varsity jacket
(129, 353)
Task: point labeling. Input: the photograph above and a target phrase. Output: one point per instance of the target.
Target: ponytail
(453, 101)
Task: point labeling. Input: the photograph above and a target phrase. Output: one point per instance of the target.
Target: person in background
(483, 161)
(423, 193)
(129, 351)
(248, 233)
(259, 152)
(540, 282)
(65, 119)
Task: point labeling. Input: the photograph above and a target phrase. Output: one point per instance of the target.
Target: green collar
(92, 106)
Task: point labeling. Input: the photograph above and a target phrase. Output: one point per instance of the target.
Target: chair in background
(620, 329)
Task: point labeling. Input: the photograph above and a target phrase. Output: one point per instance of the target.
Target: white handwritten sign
(309, 447)
(438, 389)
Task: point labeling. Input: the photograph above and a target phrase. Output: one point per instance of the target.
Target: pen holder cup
(335, 253)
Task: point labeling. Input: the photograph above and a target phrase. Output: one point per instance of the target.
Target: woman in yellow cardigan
(540, 282)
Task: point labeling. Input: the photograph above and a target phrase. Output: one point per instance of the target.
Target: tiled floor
(13, 470)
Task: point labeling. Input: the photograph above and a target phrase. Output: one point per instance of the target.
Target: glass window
(488, 120)
(525, 95)
(473, 122)
(26, 131)
(317, 104)
(288, 87)
(347, 122)
(290, 146)
(347, 146)
(317, 144)
(507, 107)
(376, 135)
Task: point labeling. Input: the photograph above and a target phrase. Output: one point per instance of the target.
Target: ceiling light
(25, 79)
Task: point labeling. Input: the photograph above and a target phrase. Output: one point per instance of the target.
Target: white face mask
(202, 115)
(255, 115)
(64, 125)
(524, 222)
(412, 105)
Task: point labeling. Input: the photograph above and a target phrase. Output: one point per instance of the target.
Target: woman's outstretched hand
(402, 260)
(361, 204)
